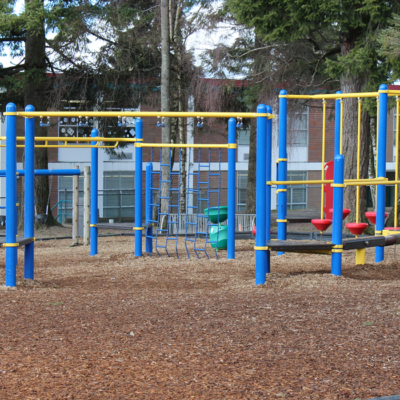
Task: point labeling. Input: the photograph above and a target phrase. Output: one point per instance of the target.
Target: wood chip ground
(115, 326)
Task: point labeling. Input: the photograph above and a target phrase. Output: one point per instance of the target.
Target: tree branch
(13, 39)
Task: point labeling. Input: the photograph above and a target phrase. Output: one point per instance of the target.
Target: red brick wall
(315, 123)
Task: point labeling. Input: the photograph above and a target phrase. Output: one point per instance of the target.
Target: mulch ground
(115, 326)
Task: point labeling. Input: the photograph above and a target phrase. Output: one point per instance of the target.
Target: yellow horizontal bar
(184, 145)
(348, 182)
(330, 96)
(155, 114)
(74, 139)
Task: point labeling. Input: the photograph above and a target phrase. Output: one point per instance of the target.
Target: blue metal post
(337, 124)
(11, 195)
(94, 202)
(149, 200)
(268, 156)
(282, 170)
(29, 223)
(231, 188)
(138, 189)
(338, 179)
(261, 192)
(380, 198)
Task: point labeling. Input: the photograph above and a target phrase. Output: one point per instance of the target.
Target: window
(297, 194)
(394, 128)
(241, 191)
(118, 197)
(244, 137)
(298, 129)
(65, 196)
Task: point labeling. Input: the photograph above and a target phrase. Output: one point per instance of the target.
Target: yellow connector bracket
(281, 220)
(137, 229)
(93, 225)
(261, 248)
(10, 244)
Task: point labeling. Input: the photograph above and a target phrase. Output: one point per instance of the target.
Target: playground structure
(383, 236)
(157, 217)
(95, 142)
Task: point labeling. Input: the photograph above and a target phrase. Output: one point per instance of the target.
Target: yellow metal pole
(396, 188)
(358, 161)
(323, 155)
(154, 114)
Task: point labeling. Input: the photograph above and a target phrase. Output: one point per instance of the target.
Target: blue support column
(94, 202)
(138, 189)
(231, 188)
(268, 156)
(338, 179)
(149, 208)
(282, 169)
(11, 195)
(337, 124)
(380, 198)
(29, 223)
(261, 193)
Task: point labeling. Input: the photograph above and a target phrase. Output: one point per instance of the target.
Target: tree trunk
(165, 100)
(354, 84)
(251, 171)
(34, 89)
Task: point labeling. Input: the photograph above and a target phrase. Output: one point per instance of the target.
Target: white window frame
(290, 189)
(240, 207)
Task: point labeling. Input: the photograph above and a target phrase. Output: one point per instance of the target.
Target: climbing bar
(348, 182)
(191, 146)
(74, 139)
(138, 114)
(339, 95)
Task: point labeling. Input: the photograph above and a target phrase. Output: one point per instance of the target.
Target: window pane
(244, 136)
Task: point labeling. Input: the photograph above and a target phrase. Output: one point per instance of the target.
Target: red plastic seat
(371, 215)
(254, 230)
(356, 228)
(346, 212)
(321, 224)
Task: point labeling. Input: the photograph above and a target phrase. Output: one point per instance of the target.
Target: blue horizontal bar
(200, 249)
(59, 172)
(190, 240)
(161, 246)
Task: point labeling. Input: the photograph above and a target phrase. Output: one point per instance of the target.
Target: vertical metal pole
(86, 206)
(337, 124)
(268, 156)
(380, 200)
(282, 170)
(94, 200)
(149, 208)
(231, 188)
(338, 186)
(29, 223)
(75, 208)
(261, 200)
(138, 189)
(11, 196)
